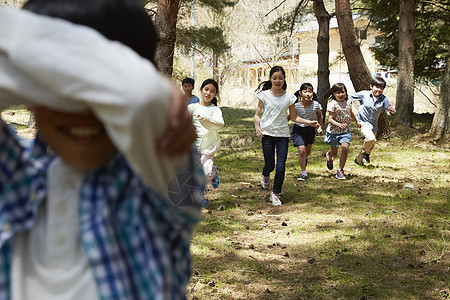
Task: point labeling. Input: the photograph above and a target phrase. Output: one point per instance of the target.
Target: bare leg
(333, 152)
(302, 157)
(344, 155)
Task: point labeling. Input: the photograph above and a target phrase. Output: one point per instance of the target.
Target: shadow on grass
(364, 238)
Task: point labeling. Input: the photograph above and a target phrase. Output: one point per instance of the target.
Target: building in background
(297, 54)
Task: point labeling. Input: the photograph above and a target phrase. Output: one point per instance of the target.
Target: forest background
(215, 38)
(381, 234)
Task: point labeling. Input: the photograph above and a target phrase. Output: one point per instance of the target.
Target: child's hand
(342, 125)
(358, 124)
(181, 133)
(199, 117)
(314, 124)
(259, 132)
(319, 129)
(391, 109)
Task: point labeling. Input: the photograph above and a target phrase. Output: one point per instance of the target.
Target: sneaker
(302, 178)
(329, 162)
(340, 174)
(205, 202)
(215, 181)
(265, 182)
(275, 200)
(366, 158)
(356, 162)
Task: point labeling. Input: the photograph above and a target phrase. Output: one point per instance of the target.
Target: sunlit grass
(367, 236)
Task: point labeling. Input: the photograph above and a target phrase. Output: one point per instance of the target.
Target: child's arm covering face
(68, 67)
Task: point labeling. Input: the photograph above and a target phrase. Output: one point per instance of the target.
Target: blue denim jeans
(271, 145)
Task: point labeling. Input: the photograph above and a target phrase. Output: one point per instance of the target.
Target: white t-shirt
(274, 119)
(211, 120)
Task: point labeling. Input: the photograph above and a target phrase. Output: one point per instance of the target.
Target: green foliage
(284, 23)
(281, 24)
(432, 34)
(211, 38)
(218, 5)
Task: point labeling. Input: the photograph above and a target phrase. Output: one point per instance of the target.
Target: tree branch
(265, 60)
(440, 256)
(275, 8)
(425, 95)
(301, 3)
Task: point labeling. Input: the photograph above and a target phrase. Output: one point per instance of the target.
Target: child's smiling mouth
(82, 132)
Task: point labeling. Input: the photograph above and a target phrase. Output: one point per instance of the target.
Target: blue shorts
(334, 140)
(303, 136)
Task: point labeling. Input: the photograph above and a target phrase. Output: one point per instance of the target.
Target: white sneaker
(275, 200)
(265, 182)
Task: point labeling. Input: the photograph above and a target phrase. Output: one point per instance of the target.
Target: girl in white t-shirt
(274, 103)
(207, 119)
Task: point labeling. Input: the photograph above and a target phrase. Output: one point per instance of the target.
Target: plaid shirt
(137, 244)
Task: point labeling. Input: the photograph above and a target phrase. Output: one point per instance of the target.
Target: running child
(273, 127)
(338, 130)
(207, 119)
(304, 135)
(188, 86)
(92, 210)
(372, 102)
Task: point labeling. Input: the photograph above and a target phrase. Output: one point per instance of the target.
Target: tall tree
(323, 41)
(405, 81)
(323, 51)
(359, 73)
(209, 37)
(166, 26)
(432, 25)
(441, 120)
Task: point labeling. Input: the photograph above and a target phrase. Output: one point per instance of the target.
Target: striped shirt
(308, 113)
(136, 241)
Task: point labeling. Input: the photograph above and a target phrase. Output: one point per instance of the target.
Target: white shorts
(369, 135)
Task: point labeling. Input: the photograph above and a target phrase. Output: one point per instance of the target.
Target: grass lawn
(380, 234)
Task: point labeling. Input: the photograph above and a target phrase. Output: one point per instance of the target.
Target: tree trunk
(441, 120)
(359, 73)
(323, 52)
(166, 23)
(215, 63)
(405, 81)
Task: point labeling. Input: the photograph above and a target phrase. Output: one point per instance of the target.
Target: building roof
(313, 25)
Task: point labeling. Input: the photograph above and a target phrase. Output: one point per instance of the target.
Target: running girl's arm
(354, 118)
(320, 120)
(297, 119)
(214, 122)
(257, 118)
(332, 121)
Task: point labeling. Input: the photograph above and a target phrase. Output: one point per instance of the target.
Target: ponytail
(265, 85)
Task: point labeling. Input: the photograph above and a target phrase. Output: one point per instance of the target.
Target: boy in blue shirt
(372, 102)
(188, 86)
